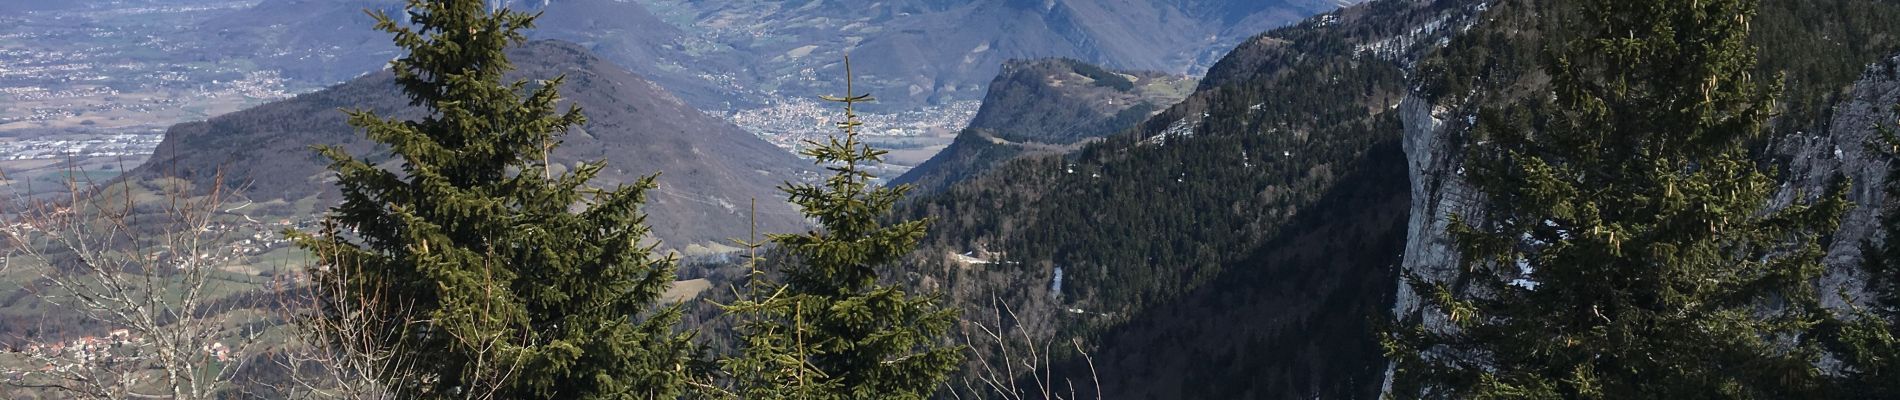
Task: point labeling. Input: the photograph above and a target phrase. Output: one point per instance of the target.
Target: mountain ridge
(740, 54)
(338, 34)
(1171, 235)
(709, 168)
(1161, 245)
(1048, 105)
(923, 52)
(1421, 69)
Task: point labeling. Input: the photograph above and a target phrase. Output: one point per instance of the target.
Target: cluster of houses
(789, 123)
(129, 145)
(118, 346)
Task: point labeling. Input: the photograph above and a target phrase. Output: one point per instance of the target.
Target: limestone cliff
(1844, 148)
(1434, 142)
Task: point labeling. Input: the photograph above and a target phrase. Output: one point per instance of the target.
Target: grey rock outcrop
(1846, 148)
(1434, 148)
(1434, 161)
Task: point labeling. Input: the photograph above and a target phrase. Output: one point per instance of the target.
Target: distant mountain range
(332, 40)
(1046, 106)
(34, 5)
(722, 55)
(914, 52)
(1244, 241)
(57, 5)
(711, 169)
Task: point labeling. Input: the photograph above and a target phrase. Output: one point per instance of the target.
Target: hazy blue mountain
(913, 52)
(711, 169)
(332, 40)
(735, 54)
(35, 5)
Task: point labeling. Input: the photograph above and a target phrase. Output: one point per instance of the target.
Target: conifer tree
(513, 281)
(772, 359)
(1627, 249)
(832, 330)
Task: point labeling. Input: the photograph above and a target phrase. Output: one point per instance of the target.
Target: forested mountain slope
(721, 55)
(1242, 243)
(1047, 106)
(1243, 236)
(711, 169)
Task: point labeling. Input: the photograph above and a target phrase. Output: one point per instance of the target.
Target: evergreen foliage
(771, 362)
(1186, 257)
(503, 277)
(831, 330)
(1627, 251)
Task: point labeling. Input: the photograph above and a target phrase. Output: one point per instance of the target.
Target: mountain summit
(710, 169)
(1045, 106)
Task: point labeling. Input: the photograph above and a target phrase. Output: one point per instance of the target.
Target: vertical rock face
(1433, 164)
(1845, 148)
(1434, 161)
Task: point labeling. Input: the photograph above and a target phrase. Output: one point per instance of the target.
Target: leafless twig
(998, 365)
(142, 270)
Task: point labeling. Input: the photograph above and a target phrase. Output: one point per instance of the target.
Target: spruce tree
(832, 329)
(500, 277)
(771, 362)
(1627, 250)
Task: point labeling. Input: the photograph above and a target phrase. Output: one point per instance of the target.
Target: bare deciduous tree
(143, 274)
(333, 354)
(336, 350)
(1005, 355)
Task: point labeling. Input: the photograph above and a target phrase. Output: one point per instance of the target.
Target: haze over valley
(929, 199)
(99, 80)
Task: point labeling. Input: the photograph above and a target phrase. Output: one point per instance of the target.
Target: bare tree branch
(144, 277)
